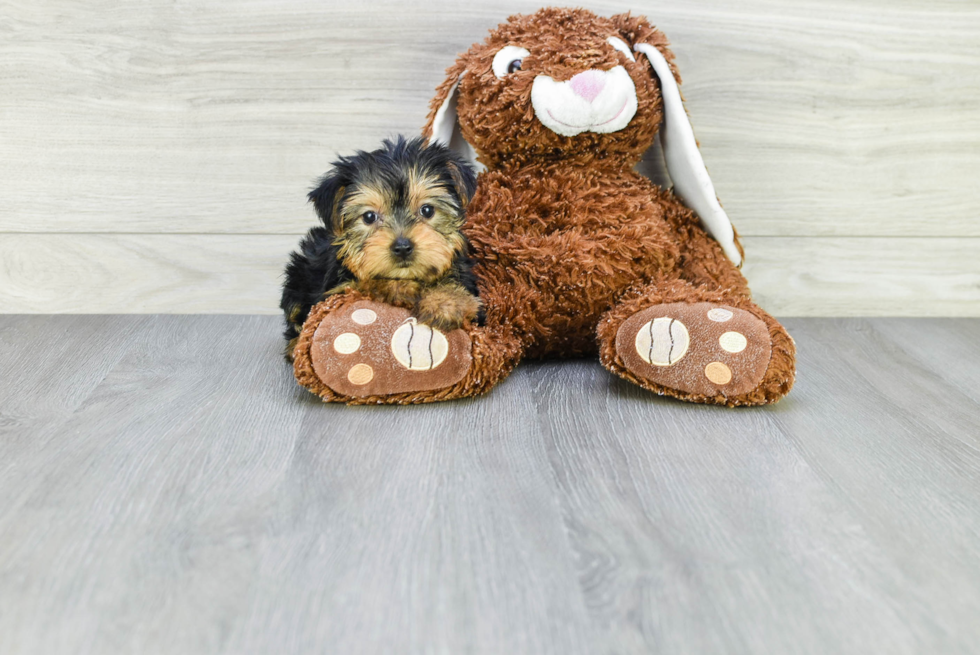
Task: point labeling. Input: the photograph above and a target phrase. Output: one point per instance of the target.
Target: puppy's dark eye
(369, 218)
(427, 211)
(514, 66)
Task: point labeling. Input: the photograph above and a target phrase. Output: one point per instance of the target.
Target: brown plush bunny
(576, 253)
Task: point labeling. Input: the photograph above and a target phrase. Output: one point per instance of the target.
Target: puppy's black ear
(464, 179)
(326, 200)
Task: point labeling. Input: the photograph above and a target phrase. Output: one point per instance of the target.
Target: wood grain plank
(235, 274)
(51, 364)
(50, 367)
(865, 276)
(435, 528)
(133, 274)
(818, 119)
(199, 501)
(899, 442)
(837, 119)
(955, 360)
(135, 524)
(704, 530)
(231, 511)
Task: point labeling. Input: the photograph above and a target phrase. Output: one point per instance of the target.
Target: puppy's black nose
(402, 247)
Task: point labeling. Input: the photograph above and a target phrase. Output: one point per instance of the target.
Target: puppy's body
(392, 220)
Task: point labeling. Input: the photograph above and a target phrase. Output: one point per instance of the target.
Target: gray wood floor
(165, 487)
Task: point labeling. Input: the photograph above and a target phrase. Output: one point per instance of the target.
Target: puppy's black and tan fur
(392, 220)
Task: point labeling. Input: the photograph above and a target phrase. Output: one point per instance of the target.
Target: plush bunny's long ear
(445, 128)
(684, 163)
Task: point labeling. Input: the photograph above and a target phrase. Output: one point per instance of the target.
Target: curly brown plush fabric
(570, 242)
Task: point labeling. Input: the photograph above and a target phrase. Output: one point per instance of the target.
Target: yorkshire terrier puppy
(392, 220)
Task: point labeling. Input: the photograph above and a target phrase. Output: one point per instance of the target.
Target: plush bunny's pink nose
(588, 84)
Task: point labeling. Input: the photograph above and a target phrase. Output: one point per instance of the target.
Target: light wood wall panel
(241, 274)
(827, 121)
(142, 273)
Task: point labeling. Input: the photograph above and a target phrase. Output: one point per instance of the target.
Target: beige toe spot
(718, 373)
(418, 347)
(733, 342)
(347, 343)
(363, 316)
(719, 315)
(360, 374)
(662, 341)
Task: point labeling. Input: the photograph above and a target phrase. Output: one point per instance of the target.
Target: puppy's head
(396, 212)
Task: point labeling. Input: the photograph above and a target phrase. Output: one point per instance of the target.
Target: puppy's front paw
(447, 309)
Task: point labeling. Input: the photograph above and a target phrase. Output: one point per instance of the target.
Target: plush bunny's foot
(366, 349)
(698, 351)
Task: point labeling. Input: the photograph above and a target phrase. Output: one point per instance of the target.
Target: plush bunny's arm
(684, 163)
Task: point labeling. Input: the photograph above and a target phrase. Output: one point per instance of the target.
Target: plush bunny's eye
(620, 45)
(508, 60)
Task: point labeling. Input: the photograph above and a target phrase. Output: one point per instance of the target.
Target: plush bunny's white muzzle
(594, 101)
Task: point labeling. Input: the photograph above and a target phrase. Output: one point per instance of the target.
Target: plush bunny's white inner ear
(684, 163)
(445, 129)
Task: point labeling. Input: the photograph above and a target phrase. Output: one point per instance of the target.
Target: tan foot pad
(700, 348)
(372, 349)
